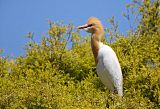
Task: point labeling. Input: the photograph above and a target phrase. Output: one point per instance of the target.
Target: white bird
(108, 67)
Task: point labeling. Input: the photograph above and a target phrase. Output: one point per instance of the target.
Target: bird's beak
(83, 26)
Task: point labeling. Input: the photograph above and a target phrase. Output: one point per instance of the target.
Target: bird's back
(109, 70)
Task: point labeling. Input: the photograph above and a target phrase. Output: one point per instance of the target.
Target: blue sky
(19, 17)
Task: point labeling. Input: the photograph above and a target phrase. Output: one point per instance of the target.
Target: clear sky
(19, 17)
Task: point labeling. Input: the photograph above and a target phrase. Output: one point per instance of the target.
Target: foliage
(60, 72)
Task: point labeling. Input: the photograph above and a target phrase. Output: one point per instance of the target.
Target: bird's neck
(95, 44)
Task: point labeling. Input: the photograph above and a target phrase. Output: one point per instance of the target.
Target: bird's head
(93, 26)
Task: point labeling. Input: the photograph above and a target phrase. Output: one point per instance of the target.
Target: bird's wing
(105, 76)
(111, 67)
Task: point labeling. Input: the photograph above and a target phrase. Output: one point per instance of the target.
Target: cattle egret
(107, 64)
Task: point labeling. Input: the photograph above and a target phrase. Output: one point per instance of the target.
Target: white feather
(109, 70)
(86, 29)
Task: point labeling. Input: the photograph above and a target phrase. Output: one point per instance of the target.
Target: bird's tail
(119, 91)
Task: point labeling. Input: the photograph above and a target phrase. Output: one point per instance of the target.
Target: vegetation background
(59, 73)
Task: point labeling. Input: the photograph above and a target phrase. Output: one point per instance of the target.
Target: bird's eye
(90, 25)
